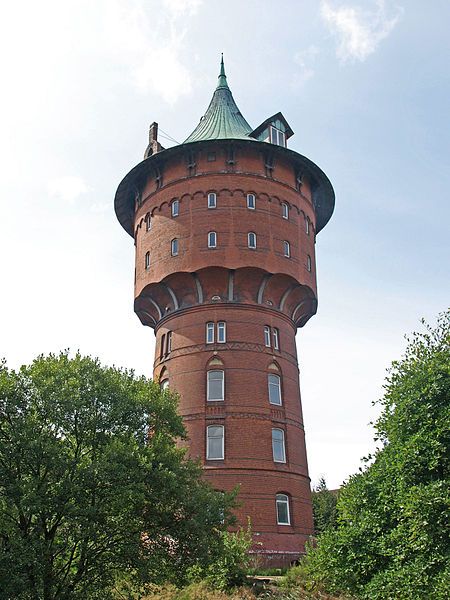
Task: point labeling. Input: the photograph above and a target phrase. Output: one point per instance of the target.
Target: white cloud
(305, 59)
(151, 48)
(162, 72)
(67, 188)
(359, 31)
(180, 8)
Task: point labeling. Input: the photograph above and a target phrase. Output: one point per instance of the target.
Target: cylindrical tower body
(225, 273)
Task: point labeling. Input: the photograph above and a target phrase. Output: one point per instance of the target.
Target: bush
(196, 591)
(230, 567)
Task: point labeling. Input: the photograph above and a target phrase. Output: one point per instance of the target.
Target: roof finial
(222, 77)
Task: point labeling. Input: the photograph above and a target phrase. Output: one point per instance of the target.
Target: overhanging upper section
(133, 183)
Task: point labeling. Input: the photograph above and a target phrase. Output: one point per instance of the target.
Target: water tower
(224, 227)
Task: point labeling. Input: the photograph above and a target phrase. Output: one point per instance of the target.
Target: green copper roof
(223, 119)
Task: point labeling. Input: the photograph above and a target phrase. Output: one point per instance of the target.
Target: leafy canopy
(324, 507)
(92, 483)
(392, 539)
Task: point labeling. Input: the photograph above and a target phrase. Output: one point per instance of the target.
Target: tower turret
(225, 227)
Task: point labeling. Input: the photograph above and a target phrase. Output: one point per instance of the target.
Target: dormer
(274, 130)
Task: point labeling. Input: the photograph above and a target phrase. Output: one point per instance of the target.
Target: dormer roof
(272, 121)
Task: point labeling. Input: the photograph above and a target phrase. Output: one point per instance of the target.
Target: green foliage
(324, 507)
(268, 571)
(393, 535)
(195, 591)
(88, 462)
(230, 567)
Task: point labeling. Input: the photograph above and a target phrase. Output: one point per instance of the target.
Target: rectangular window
(267, 336)
(212, 239)
(278, 447)
(215, 442)
(215, 386)
(163, 341)
(221, 332)
(174, 247)
(210, 333)
(276, 338)
(277, 137)
(307, 225)
(251, 201)
(175, 208)
(147, 260)
(287, 249)
(285, 210)
(212, 200)
(274, 389)
(252, 240)
(283, 517)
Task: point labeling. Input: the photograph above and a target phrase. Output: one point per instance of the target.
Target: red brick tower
(224, 228)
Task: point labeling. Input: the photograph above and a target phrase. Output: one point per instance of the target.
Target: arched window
(215, 447)
(212, 239)
(221, 332)
(267, 336)
(174, 247)
(285, 210)
(163, 377)
(308, 263)
(147, 260)
(212, 200)
(210, 333)
(148, 222)
(307, 225)
(278, 446)
(283, 513)
(175, 208)
(276, 338)
(287, 249)
(215, 389)
(274, 382)
(251, 201)
(252, 240)
(169, 342)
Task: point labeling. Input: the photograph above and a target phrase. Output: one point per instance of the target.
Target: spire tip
(222, 76)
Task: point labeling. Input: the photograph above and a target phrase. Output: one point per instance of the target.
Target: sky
(365, 86)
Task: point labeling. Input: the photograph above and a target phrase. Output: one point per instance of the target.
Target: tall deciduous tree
(92, 483)
(324, 507)
(393, 534)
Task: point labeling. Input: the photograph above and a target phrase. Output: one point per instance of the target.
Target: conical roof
(223, 119)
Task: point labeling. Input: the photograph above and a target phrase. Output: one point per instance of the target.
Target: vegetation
(93, 485)
(97, 501)
(324, 507)
(392, 539)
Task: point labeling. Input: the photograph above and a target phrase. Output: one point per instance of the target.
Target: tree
(393, 535)
(324, 507)
(92, 483)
